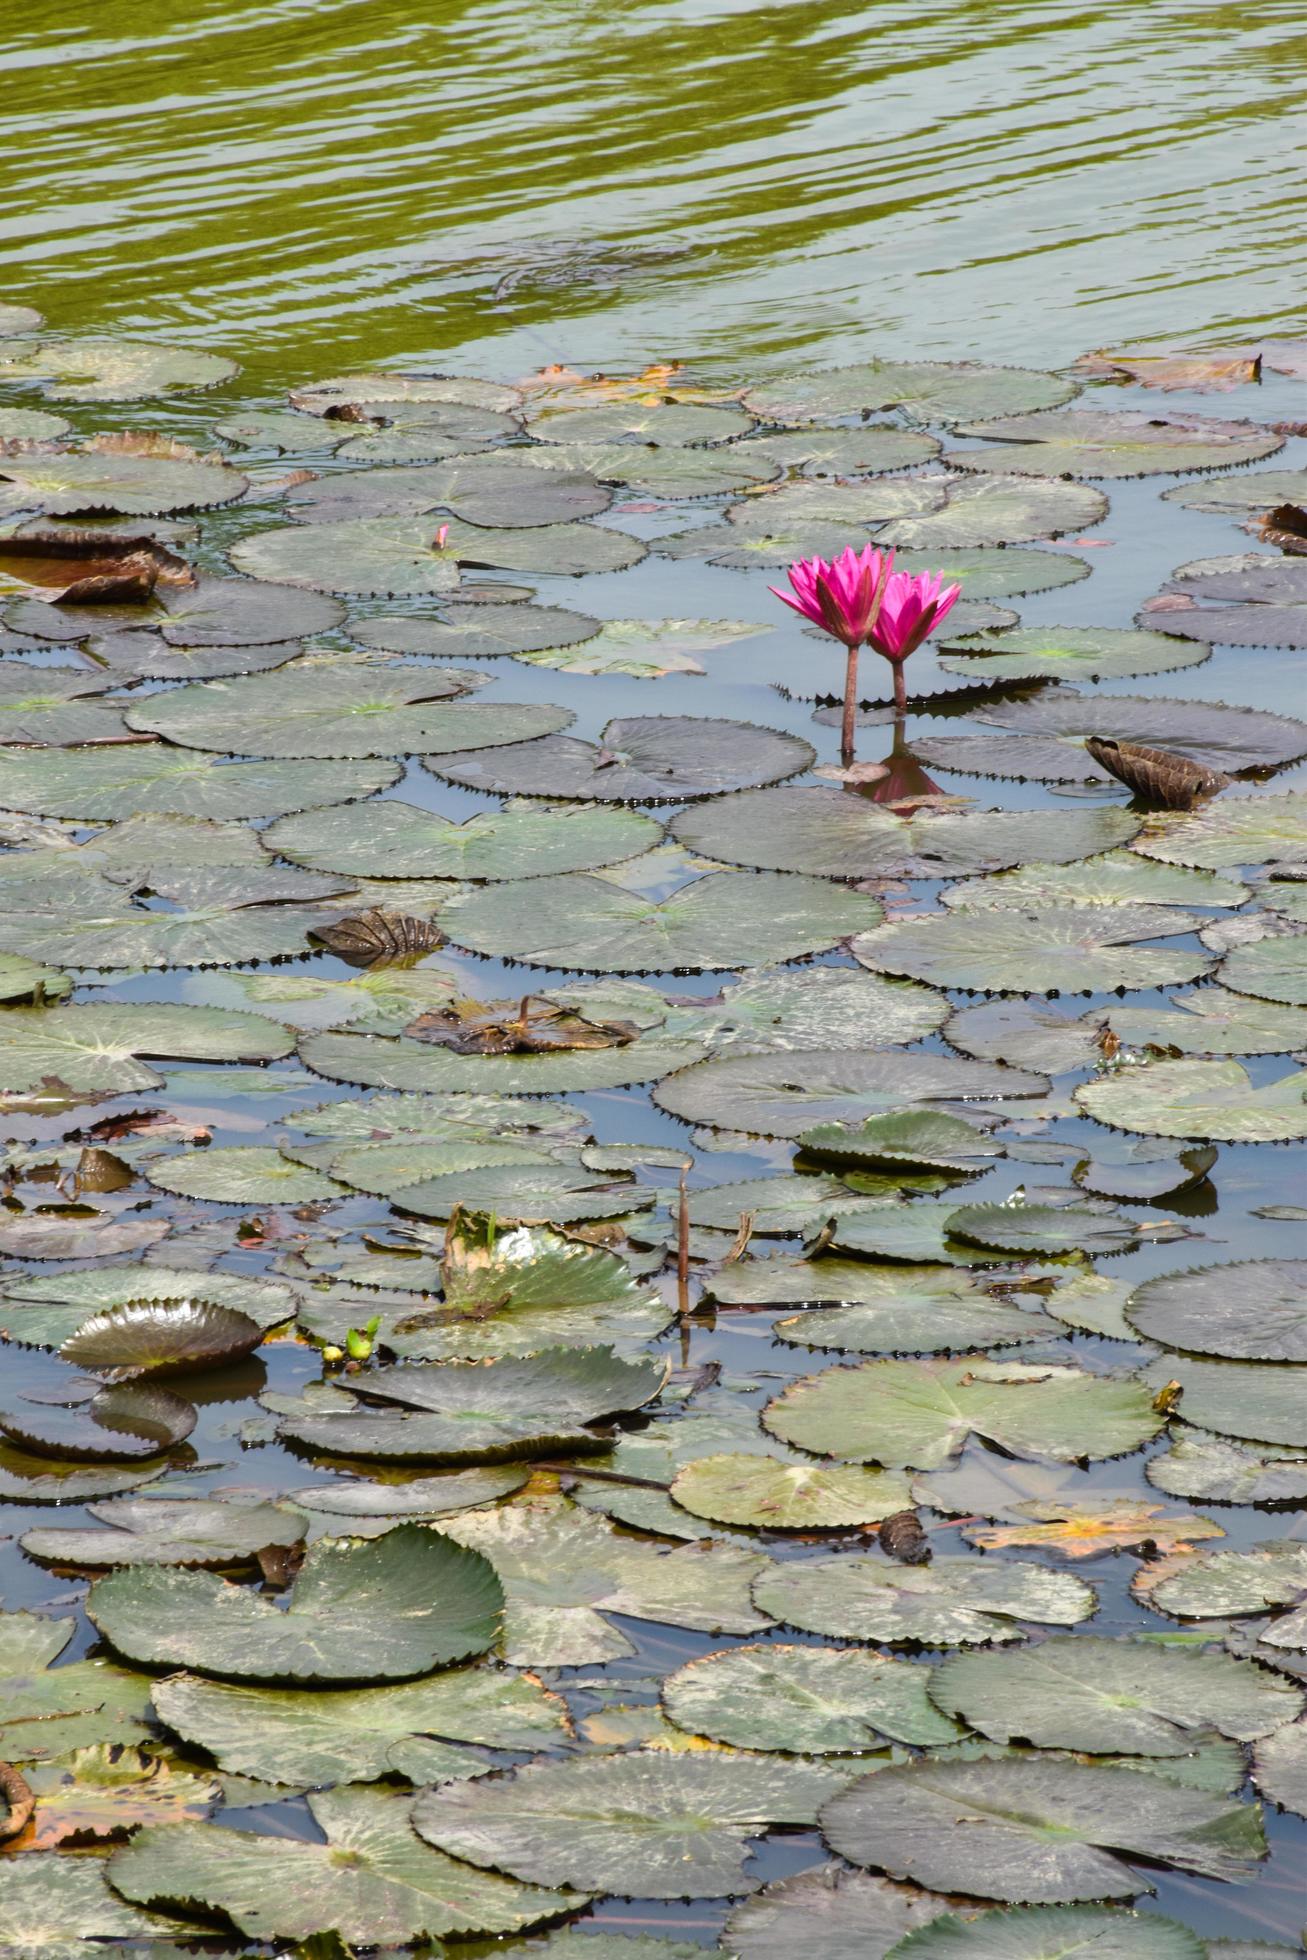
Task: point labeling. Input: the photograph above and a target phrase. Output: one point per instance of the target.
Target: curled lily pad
(905, 1310)
(161, 1337)
(645, 759)
(46, 1312)
(1201, 1099)
(921, 1412)
(816, 1699)
(1038, 1831)
(1070, 1530)
(1047, 743)
(1112, 1696)
(381, 1608)
(931, 391)
(466, 632)
(1272, 969)
(109, 369)
(1253, 830)
(137, 475)
(1065, 949)
(1248, 599)
(372, 1879)
(1255, 1310)
(401, 840)
(833, 835)
(105, 1790)
(785, 1094)
(728, 919)
(126, 1421)
(1217, 1470)
(952, 1602)
(1113, 443)
(1148, 1169)
(1069, 653)
(855, 1916)
(106, 784)
(776, 1496)
(186, 1531)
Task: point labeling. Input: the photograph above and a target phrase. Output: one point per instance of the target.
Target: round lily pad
(776, 1496)
(466, 632)
(855, 1916)
(951, 1603)
(912, 1310)
(106, 784)
(222, 918)
(1254, 1310)
(399, 557)
(1260, 1401)
(1251, 830)
(139, 476)
(119, 1422)
(1208, 1100)
(829, 834)
(1117, 878)
(1272, 969)
(47, 1311)
(410, 390)
(1066, 653)
(1047, 742)
(996, 510)
(1049, 1229)
(931, 391)
(1113, 443)
(111, 370)
(365, 1503)
(1209, 1022)
(22, 979)
(1037, 1831)
(645, 759)
(1218, 1470)
(401, 840)
(241, 1174)
(381, 1608)
(785, 1094)
(528, 1194)
(647, 649)
(144, 656)
(188, 1531)
(656, 470)
(818, 1700)
(1054, 1932)
(158, 1337)
(26, 1478)
(728, 919)
(416, 1065)
(1280, 1767)
(1250, 490)
(921, 1138)
(1249, 598)
(660, 422)
(919, 1413)
(92, 1048)
(243, 612)
(484, 490)
(1062, 949)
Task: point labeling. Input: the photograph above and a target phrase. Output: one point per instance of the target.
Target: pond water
(319, 189)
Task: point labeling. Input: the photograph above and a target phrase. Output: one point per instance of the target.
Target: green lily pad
(1119, 878)
(101, 785)
(1218, 1471)
(527, 1194)
(401, 840)
(842, 452)
(183, 1531)
(242, 1174)
(29, 1479)
(784, 1203)
(1280, 1767)
(243, 612)
(1113, 443)
(1251, 490)
(645, 648)
(50, 1710)
(416, 1065)
(833, 835)
(483, 490)
(22, 979)
(563, 1568)
(654, 1826)
(818, 1700)
(1261, 1401)
(383, 1608)
(950, 1603)
(855, 1916)
(1218, 1585)
(658, 422)
(996, 510)
(1047, 744)
(1272, 969)
(1049, 950)
(727, 919)
(786, 1094)
(920, 1413)
(1054, 1933)
(1253, 830)
(137, 475)
(1147, 1169)
(1070, 653)
(1037, 1831)
(1202, 1099)
(1255, 1310)
(46, 1312)
(474, 1412)
(45, 705)
(398, 557)
(324, 1736)
(389, 1168)
(644, 759)
(366, 1503)
(660, 471)
(222, 917)
(156, 1337)
(1112, 1696)
(908, 1310)
(923, 1138)
(1209, 1022)
(466, 632)
(365, 390)
(27, 424)
(1253, 599)
(931, 391)
(372, 1880)
(121, 1422)
(775, 1496)
(1049, 1229)
(111, 370)
(144, 656)
(50, 1905)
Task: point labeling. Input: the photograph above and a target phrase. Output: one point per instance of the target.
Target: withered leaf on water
(1285, 526)
(377, 938)
(87, 568)
(1156, 775)
(537, 1027)
(1199, 373)
(903, 1537)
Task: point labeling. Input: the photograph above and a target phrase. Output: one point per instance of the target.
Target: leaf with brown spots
(106, 1791)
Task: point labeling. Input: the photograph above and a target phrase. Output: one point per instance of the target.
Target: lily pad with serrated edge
(398, 557)
(474, 1412)
(105, 1790)
(1261, 1401)
(1271, 969)
(21, 979)
(157, 1338)
(1099, 442)
(1204, 1099)
(1044, 1228)
(819, 1700)
(1253, 1310)
(1145, 1170)
(659, 1826)
(952, 1602)
(1248, 598)
(1217, 1585)
(996, 510)
(1280, 1767)
(1252, 830)
(29, 1479)
(912, 1310)
(644, 759)
(214, 930)
(91, 1047)
(785, 1094)
(383, 1608)
(1038, 1831)
(243, 612)
(670, 471)
(391, 839)
(1069, 1530)
(843, 452)
(372, 1879)
(355, 713)
(919, 1413)
(242, 1174)
(494, 490)
(782, 1203)
(414, 1065)
(1069, 653)
(50, 1905)
(389, 1168)
(727, 919)
(355, 1504)
(140, 655)
(775, 1496)
(47, 1311)
(1062, 949)
(923, 1138)
(1054, 1933)
(478, 632)
(931, 391)
(1112, 1696)
(830, 834)
(1047, 739)
(323, 1736)
(1217, 1470)
(105, 784)
(563, 1568)
(645, 648)
(771, 1008)
(29, 424)
(1209, 1022)
(1250, 490)
(107, 369)
(121, 1422)
(182, 1531)
(109, 474)
(661, 422)
(854, 1916)
(364, 390)
(1117, 878)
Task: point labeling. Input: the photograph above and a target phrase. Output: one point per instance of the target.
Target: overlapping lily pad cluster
(523, 1579)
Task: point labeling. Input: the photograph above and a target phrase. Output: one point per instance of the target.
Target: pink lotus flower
(841, 596)
(913, 606)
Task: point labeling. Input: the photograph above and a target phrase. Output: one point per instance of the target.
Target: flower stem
(850, 709)
(900, 688)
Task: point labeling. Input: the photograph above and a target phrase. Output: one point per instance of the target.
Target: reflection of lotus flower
(911, 609)
(843, 597)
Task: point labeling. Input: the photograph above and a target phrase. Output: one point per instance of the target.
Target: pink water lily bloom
(913, 606)
(841, 595)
